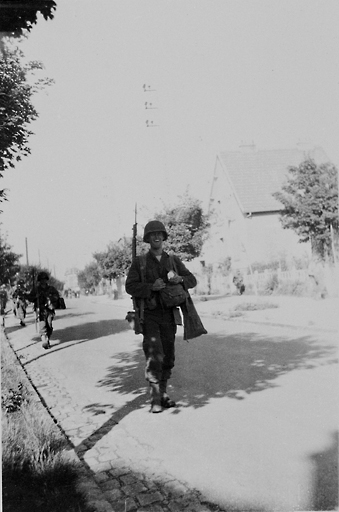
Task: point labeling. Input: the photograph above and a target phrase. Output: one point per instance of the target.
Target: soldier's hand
(158, 285)
(176, 279)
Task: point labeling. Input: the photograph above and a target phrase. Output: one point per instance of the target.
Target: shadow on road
(90, 330)
(81, 333)
(215, 366)
(218, 366)
(325, 477)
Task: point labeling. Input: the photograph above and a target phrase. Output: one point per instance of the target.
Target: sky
(217, 73)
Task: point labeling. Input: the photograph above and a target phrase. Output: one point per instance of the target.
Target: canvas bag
(173, 295)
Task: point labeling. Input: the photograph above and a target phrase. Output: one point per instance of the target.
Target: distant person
(3, 302)
(46, 299)
(160, 321)
(239, 282)
(19, 301)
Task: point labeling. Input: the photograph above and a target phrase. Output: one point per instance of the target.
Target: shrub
(36, 473)
(254, 306)
(271, 284)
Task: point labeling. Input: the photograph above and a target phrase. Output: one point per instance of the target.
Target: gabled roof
(256, 175)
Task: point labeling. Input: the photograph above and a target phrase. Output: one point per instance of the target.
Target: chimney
(247, 147)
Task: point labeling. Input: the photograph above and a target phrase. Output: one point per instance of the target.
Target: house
(244, 215)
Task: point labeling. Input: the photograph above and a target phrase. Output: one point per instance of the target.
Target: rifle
(135, 317)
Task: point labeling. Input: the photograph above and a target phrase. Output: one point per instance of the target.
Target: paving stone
(101, 466)
(149, 498)
(134, 489)
(174, 506)
(126, 505)
(101, 477)
(174, 488)
(104, 457)
(110, 484)
(113, 495)
(152, 508)
(129, 479)
(100, 506)
(118, 471)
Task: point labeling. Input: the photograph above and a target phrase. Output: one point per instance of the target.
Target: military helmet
(42, 275)
(153, 227)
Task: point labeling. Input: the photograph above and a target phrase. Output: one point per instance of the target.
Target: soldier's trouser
(21, 310)
(46, 323)
(158, 344)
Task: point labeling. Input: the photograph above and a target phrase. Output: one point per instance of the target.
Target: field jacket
(154, 269)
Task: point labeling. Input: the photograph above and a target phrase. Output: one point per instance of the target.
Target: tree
(18, 16)
(310, 199)
(187, 227)
(89, 277)
(116, 260)
(29, 274)
(9, 262)
(16, 108)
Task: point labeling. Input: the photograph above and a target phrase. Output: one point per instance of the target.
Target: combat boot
(45, 342)
(166, 402)
(156, 397)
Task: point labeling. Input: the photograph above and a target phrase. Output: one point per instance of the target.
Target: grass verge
(37, 473)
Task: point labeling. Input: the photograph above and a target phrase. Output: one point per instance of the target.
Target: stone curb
(112, 487)
(86, 484)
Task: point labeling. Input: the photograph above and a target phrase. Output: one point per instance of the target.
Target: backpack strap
(142, 263)
(172, 263)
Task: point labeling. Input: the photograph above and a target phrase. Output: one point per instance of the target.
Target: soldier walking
(159, 321)
(46, 299)
(19, 301)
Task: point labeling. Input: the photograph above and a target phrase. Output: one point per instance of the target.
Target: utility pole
(26, 252)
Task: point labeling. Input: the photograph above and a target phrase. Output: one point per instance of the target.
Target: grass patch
(37, 474)
(255, 306)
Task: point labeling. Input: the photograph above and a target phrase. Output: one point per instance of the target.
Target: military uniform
(3, 302)
(19, 302)
(45, 299)
(159, 323)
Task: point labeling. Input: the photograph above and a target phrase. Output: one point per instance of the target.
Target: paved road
(256, 427)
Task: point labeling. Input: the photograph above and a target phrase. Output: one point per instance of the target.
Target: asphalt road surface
(256, 427)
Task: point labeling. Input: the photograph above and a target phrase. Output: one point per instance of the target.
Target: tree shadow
(91, 330)
(58, 315)
(213, 366)
(216, 366)
(81, 333)
(325, 477)
(14, 328)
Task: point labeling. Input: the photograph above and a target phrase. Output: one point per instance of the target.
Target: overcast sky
(221, 72)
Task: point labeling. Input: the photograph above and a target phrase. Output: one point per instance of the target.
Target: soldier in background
(3, 302)
(19, 301)
(46, 299)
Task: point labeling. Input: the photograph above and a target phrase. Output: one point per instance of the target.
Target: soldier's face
(156, 239)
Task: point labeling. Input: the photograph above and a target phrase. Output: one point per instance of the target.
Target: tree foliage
(18, 16)
(187, 227)
(29, 274)
(116, 260)
(89, 277)
(16, 108)
(9, 262)
(310, 199)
